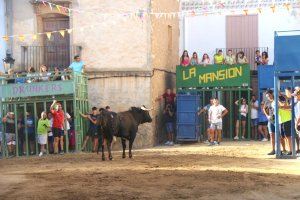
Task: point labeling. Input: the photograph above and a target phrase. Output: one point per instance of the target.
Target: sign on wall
(213, 76)
(36, 89)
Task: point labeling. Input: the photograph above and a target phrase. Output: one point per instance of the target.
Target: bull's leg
(108, 143)
(124, 147)
(131, 140)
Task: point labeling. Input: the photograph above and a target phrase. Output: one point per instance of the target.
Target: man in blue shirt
(77, 66)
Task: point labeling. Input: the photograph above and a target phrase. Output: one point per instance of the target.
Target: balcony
(50, 56)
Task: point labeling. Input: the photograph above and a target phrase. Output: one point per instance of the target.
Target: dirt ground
(234, 170)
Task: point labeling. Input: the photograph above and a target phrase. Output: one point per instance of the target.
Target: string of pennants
(142, 14)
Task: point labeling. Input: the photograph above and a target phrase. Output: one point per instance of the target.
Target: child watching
(43, 126)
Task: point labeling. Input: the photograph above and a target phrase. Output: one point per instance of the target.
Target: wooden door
(57, 48)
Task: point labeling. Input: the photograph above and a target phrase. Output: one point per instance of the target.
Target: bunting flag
(5, 38)
(58, 7)
(34, 37)
(48, 35)
(246, 12)
(62, 33)
(69, 31)
(21, 38)
(259, 10)
(50, 5)
(273, 8)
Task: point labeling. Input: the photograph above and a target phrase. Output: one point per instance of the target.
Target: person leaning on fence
(57, 74)
(241, 58)
(230, 58)
(44, 74)
(257, 58)
(42, 130)
(10, 76)
(58, 124)
(216, 113)
(10, 134)
(205, 60)
(93, 129)
(169, 116)
(185, 59)
(169, 98)
(263, 123)
(31, 75)
(241, 118)
(77, 65)
(205, 110)
(194, 60)
(264, 58)
(296, 94)
(219, 58)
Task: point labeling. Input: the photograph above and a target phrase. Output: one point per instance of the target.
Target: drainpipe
(9, 24)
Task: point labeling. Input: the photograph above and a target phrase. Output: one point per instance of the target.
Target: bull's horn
(144, 108)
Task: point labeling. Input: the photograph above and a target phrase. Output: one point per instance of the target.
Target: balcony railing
(249, 53)
(51, 56)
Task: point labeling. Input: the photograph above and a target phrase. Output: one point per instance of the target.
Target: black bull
(123, 125)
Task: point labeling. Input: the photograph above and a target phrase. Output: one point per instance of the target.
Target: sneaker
(298, 152)
(289, 153)
(41, 154)
(61, 152)
(236, 138)
(211, 144)
(215, 142)
(171, 143)
(243, 137)
(271, 153)
(31, 153)
(206, 142)
(265, 140)
(167, 143)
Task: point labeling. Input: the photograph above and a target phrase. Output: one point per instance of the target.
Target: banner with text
(36, 89)
(213, 76)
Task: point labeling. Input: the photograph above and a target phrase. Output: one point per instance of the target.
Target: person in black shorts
(241, 118)
(93, 129)
(263, 123)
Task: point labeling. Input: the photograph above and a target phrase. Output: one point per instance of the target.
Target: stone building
(130, 59)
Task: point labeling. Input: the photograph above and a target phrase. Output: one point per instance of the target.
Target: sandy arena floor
(234, 170)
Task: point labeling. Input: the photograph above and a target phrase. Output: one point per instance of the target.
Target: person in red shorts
(169, 97)
(57, 127)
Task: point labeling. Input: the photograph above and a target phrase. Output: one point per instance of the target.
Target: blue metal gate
(187, 118)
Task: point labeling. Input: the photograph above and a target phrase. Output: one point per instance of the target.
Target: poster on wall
(213, 76)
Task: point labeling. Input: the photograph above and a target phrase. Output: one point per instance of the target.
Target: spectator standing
(66, 127)
(58, 123)
(169, 98)
(241, 58)
(169, 116)
(254, 116)
(264, 58)
(205, 59)
(262, 123)
(230, 58)
(219, 58)
(42, 129)
(50, 134)
(30, 132)
(9, 122)
(216, 113)
(205, 110)
(241, 118)
(194, 59)
(21, 133)
(185, 59)
(93, 129)
(285, 118)
(297, 116)
(257, 58)
(77, 65)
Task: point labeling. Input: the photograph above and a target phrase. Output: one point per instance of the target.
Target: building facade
(130, 59)
(2, 32)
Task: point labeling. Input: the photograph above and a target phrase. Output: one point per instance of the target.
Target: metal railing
(249, 53)
(51, 56)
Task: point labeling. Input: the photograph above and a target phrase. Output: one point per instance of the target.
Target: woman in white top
(205, 59)
(44, 74)
(242, 116)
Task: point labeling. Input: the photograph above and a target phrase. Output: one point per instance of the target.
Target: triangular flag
(62, 32)
(5, 38)
(287, 6)
(48, 35)
(50, 5)
(246, 12)
(44, 3)
(273, 8)
(34, 37)
(69, 31)
(21, 38)
(259, 10)
(57, 6)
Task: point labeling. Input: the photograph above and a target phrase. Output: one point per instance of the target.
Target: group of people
(219, 58)
(44, 75)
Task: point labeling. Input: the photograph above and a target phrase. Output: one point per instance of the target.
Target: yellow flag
(246, 12)
(62, 32)
(58, 7)
(69, 31)
(21, 38)
(5, 38)
(34, 37)
(48, 35)
(259, 10)
(273, 8)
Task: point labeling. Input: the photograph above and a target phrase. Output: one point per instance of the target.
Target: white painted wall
(2, 32)
(206, 33)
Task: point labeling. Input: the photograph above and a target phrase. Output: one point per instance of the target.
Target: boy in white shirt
(215, 114)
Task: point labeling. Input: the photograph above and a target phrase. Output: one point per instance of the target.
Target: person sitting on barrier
(44, 74)
(92, 132)
(9, 121)
(194, 59)
(219, 58)
(241, 58)
(230, 58)
(185, 59)
(31, 75)
(216, 113)
(169, 117)
(31, 132)
(264, 58)
(257, 57)
(205, 110)
(58, 124)
(254, 116)
(10, 76)
(43, 126)
(50, 134)
(205, 59)
(169, 98)
(269, 110)
(77, 65)
(241, 118)
(262, 123)
(57, 74)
